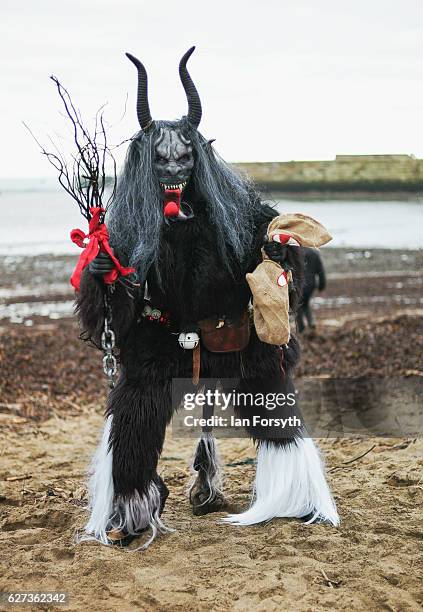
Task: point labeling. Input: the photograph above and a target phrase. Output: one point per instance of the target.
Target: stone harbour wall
(344, 173)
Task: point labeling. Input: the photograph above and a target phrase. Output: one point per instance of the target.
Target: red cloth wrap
(98, 241)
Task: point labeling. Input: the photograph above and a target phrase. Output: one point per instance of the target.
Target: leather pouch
(232, 336)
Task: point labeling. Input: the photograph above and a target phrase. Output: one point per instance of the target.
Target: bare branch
(124, 112)
(83, 177)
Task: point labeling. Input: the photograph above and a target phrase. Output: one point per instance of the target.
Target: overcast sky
(278, 79)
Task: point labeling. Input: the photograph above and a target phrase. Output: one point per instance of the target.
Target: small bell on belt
(191, 340)
(188, 340)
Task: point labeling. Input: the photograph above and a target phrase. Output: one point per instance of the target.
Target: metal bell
(188, 340)
(156, 314)
(147, 310)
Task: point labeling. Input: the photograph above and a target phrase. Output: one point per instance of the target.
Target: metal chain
(108, 343)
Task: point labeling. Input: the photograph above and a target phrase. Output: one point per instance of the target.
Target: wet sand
(360, 281)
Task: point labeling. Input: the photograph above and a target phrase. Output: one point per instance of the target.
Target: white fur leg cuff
(290, 482)
(130, 515)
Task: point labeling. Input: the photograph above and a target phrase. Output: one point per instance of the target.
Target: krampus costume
(192, 229)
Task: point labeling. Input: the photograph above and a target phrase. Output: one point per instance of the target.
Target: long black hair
(136, 216)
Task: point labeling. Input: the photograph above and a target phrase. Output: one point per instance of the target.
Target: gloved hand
(276, 252)
(101, 265)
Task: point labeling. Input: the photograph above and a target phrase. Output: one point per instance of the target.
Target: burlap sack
(269, 282)
(269, 286)
(305, 230)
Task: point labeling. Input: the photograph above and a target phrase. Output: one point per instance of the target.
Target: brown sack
(269, 286)
(304, 229)
(269, 282)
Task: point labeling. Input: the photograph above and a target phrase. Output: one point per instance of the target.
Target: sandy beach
(370, 323)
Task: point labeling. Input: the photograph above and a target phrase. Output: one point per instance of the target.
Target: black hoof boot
(204, 503)
(164, 492)
(119, 538)
(205, 496)
(308, 518)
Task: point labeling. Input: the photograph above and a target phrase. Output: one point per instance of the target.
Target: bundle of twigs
(83, 176)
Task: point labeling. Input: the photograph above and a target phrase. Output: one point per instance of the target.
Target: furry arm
(90, 309)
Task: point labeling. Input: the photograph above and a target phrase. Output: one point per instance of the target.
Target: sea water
(37, 216)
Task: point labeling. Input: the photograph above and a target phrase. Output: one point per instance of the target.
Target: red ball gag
(171, 209)
(172, 204)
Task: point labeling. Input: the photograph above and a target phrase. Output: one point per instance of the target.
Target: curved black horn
(143, 109)
(194, 103)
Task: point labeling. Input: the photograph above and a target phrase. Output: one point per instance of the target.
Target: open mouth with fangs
(172, 206)
(180, 186)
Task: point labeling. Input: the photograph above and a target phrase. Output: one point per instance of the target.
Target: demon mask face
(173, 152)
(174, 159)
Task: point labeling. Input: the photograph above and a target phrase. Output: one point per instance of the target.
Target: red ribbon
(98, 237)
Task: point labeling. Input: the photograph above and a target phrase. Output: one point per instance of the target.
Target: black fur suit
(191, 228)
(195, 284)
